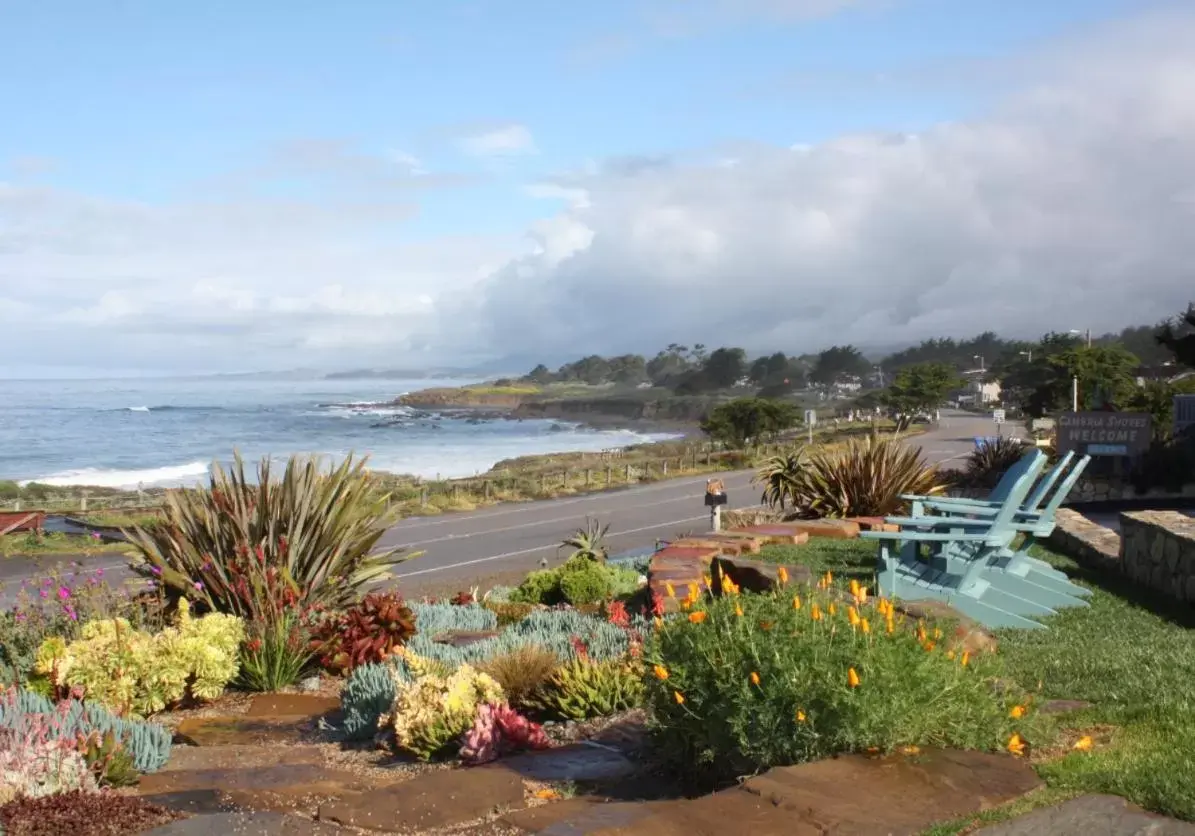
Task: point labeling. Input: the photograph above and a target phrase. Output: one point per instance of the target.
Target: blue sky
(156, 105)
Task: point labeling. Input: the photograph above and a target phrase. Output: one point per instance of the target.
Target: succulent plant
(584, 688)
(433, 711)
(369, 631)
(434, 619)
(498, 730)
(367, 695)
(148, 744)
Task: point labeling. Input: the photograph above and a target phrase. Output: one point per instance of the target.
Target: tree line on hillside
(1019, 364)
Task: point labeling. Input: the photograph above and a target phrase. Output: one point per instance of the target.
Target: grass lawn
(1131, 655)
(31, 544)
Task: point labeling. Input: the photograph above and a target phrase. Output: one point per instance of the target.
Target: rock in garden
(1106, 815)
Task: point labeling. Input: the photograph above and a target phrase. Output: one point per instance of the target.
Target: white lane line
(537, 524)
(520, 552)
(452, 518)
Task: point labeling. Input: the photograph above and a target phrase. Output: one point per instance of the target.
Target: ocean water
(125, 433)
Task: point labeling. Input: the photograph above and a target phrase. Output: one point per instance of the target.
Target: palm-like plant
(259, 549)
(988, 462)
(588, 542)
(866, 479)
(780, 476)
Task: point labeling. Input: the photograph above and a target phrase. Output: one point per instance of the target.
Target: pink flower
(44, 593)
(63, 593)
(155, 570)
(198, 585)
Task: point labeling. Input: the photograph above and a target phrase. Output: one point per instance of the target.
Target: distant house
(978, 391)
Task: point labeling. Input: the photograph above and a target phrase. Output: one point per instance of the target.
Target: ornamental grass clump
(259, 548)
(742, 683)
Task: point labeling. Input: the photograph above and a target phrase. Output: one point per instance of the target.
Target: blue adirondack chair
(996, 498)
(1033, 520)
(957, 576)
(1015, 571)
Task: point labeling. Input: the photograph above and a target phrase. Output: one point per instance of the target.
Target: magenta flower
(63, 593)
(99, 573)
(155, 570)
(44, 593)
(198, 585)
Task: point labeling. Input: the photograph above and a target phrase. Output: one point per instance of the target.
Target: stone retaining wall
(1155, 549)
(1089, 543)
(1106, 488)
(1158, 551)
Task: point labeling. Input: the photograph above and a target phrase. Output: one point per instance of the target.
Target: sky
(229, 186)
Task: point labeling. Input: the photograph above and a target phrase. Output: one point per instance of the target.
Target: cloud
(1066, 206)
(507, 140)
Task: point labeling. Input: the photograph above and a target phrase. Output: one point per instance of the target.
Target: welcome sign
(1104, 433)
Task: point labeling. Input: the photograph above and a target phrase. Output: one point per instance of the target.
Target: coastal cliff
(503, 398)
(680, 410)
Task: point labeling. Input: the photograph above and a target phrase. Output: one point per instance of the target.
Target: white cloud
(504, 141)
(1062, 208)
(1067, 206)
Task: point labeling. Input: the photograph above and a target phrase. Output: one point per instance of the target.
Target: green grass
(844, 558)
(30, 544)
(1131, 655)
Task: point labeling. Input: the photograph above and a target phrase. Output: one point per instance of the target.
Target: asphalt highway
(501, 543)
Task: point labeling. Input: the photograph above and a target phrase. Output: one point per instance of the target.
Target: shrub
(434, 711)
(256, 550)
(624, 580)
(521, 671)
(23, 712)
(539, 587)
(275, 653)
(82, 814)
(585, 584)
(132, 671)
(509, 612)
(991, 459)
(499, 730)
(435, 619)
(866, 479)
(583, 688)
(366, 632)
(797, 677)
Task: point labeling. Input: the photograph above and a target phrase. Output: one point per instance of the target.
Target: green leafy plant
(586, 584)
(366, 632)
(258, 548)
(781, 478)
(434, 711)
(991, 459)
(583, 688)
(866, 479)
(275, 653)
(747, 682)
(588, 543)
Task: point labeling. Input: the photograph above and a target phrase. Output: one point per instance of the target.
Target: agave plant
(588, 542)
(780, 476)
(989, 460)
(866, 479)
(257, 549)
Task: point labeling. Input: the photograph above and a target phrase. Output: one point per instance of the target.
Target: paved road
(502, 543)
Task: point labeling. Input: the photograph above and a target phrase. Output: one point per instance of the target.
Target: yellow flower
(547, 794)
(670, 589)
(854, 586)
(697, 617)
(950, 654)
(921, 635)
(694, 592)
(1016, 744)
(861, 595)
(658, 621)
(754, 678)
(661, 672)
(889, 625)
(708, 581)
(679, 697)
(910, 750)
(796, 602)
(966, 657)
(1084, 744)
(937, 633)
(929, 647)
(1016, 712)
(864, 626)
(829, 579)
(738, 610)
(800, 716)
(852, 615)
(815, 612)
(782, 573)
(832, 609)
(685, 604)
(852, 678)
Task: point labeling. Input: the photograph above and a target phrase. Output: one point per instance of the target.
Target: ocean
(158, 432)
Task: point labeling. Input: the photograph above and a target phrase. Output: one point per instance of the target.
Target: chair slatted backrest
(1038, 494)
(1064, 490)
(1010, 477)
(1018, 490)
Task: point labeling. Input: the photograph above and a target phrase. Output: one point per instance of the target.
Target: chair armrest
(912, 497)
(937, 522)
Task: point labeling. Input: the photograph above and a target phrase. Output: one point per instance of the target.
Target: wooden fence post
(423, 497)
(487, 489)
(564, 479)
(609, 475)
(628, 473)
(543, 483)
(456, 491)
(665, 466)
(588, 477)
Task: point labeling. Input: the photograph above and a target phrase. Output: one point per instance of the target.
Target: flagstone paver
(291, 705)
(579, 762)
(247, 824)
(442, 798)
(1088, 815)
